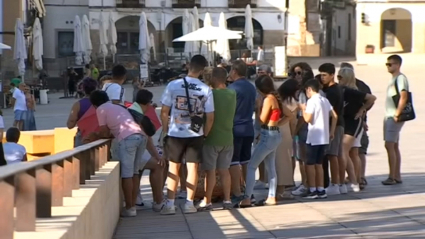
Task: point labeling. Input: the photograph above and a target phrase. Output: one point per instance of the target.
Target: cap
(265, 68)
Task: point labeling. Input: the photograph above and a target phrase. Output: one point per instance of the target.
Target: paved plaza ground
(377, 212)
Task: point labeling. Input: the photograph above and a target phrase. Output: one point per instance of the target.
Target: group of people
(23, 103)
(316, 121)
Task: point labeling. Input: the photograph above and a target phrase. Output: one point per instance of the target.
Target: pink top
(118, 120)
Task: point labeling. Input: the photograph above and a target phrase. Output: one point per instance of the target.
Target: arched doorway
(238, 24)
(128, 34)
(396, 30)
(174, 30)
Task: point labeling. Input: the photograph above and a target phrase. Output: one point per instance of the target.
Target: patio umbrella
(4, 47)
(249, 28)
(194, 45)
(222, 46)
(152, 40)
(87, 46)
(20, 53)
(195, 14)
(37, 41)
(206, 46)
(103, 38)
(186, 25)
(144, 39)
(78, 41)
(208, 34)
(112, 36)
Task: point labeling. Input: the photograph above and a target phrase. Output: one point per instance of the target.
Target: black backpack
(144, 122)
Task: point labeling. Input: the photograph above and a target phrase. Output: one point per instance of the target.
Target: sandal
(389, 181)
(364, 181)
(238, 205)
(398, 181)
(263, 203)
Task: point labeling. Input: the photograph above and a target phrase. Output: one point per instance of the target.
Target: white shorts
(147, 156)
(358, 140)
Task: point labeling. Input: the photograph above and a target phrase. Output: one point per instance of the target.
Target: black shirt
(363, 88)
(335, 96)
(353, 101)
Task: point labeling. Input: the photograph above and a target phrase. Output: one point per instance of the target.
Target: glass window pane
(65, 44)
(122, 42)
(134, 42)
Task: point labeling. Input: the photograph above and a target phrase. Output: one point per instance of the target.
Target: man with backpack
(114, 88)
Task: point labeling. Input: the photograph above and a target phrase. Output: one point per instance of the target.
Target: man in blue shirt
(243, 127)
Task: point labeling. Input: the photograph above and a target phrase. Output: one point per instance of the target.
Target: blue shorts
(130, 154)
(315, 153)
(19, 115)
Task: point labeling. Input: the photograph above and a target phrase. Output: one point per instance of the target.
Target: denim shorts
(130, 151)
(19, 114)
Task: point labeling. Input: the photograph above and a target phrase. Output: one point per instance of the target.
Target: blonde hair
(349, 79)
(207, 75)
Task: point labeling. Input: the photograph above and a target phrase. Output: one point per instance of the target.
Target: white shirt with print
(115, 91)
(20, 100)
(201, 100)
(318, 129)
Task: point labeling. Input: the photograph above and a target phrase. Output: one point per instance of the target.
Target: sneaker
(333, 189)
(266, 186)
(343, 189)
(132, 212)
(139, 201)
(259, 185)
(354, 188)
(182, 195)
(227, 206)
(156, 207)
(236, 199)
(189, 208)
(168, 210)
(299, 190)
(285, 196)
(203, 207)
(389, 181)
(322, 194)
(312, 195)
(253, 200)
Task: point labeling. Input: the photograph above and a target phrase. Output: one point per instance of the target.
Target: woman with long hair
(284, 163)
(355, 105)
(80, 108)
(299, 70)
(272, 115)
(29, 122)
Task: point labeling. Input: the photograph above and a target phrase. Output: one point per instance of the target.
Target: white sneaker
(139, 201)
(343, 189)
(156, 207)
(168, 210)
(354, 187)
(132, 212)
(266, 186)
(299, 191)
(259, 185)
(333, 189)
(189, 208)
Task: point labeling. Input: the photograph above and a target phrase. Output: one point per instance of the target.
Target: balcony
(186, 3)
(130, 3)
(242, 3)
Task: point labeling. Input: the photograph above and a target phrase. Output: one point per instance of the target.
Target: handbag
(408, 113)
(196, 122)
(143, 121)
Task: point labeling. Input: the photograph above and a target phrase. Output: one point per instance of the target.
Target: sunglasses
(389, 64)
(339, 77)
(298, 73)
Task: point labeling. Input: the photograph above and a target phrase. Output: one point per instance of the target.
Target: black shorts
(353, 127)
(315, 153)
(364, 143)
(241, 150)
(188, 148)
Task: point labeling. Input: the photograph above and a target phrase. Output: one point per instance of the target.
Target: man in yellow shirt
(94, 72)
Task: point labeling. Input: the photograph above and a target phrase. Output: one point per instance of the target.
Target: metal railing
(29, 190)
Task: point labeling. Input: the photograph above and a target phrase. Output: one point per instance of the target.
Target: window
(65, 43)
(339, 32)
(349, 27)
(127, 42)
(388, 31)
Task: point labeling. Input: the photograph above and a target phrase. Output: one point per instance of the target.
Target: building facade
(165, 19)
(394, 26)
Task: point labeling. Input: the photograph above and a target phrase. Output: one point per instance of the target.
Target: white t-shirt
(201, 100)
(318, 129)
(115, 91)
(1, 122)
(20, 101)
(13, 152)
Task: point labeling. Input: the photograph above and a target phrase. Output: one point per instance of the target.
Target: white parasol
(103, 38)
(87, 46)
(195, 14)
(249, 28)
(112, 36)
(222, 46)
(37, 44)
(144, 39)
(4, 47)
(20, 53)
(78, 41)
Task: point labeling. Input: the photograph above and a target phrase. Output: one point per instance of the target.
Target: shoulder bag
(196, 121)
(408, 112)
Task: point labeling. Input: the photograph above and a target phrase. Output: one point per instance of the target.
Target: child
(14, 152)
(316, 114)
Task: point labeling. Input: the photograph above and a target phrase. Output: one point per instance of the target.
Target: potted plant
(370, 49)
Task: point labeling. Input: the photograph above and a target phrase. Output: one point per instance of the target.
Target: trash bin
(43, 97)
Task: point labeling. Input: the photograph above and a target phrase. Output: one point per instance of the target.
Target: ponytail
(279, 101)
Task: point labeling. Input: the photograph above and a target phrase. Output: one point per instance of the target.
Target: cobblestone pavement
(378, 212)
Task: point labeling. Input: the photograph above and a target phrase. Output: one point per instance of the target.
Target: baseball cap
(265, 68)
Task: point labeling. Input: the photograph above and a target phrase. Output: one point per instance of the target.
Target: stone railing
(29, 190)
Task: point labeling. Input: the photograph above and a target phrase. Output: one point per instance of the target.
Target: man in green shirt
(217, 151)
(94, 72)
